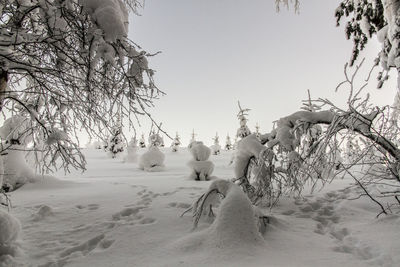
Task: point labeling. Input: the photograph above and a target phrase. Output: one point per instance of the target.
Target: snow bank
(152, 160)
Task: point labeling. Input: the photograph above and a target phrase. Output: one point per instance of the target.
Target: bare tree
(69, 66)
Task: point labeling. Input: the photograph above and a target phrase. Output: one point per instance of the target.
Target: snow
(10, 230)
(118, 215)
(152, 160)
(111, 15)
(16, 170)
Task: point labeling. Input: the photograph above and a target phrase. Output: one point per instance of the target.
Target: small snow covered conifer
(132, 150)
(216, 148)
(176, 143)
(116, 144)
(243, 131)
(228, 143)
(142, 142)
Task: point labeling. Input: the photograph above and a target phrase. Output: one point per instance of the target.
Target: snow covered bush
(10, 231)
(236, 224)
(201, 167)
(216, 148)
(70, 66)
(152, 160)
(132, 151)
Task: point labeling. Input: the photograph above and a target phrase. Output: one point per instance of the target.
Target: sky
(218, 52)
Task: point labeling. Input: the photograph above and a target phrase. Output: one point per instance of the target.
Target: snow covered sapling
(176, 143)
(152, 160)
(116, 144)
(257, 130)
(155, 140)
(201, 167)
(243, 131)
(142, 142)
(192, 139)
(216, 148)
(132, 151)
(228, 143)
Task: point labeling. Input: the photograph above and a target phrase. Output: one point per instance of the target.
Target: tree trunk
(3, 86)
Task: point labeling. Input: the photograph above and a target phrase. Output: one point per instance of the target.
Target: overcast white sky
(216, 52)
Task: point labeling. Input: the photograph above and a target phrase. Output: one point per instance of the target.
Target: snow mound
(234, 227)
(43, 212)
(152, 160)
(131, 157)
(16, 170)
(10, 230)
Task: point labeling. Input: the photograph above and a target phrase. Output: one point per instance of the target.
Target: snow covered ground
(117, 215)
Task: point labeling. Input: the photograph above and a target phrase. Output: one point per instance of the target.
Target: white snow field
(115, 214)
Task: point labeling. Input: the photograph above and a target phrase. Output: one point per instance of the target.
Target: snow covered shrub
(152, 160)
(132, 151)
(235, 225)
(199, 151)
(10, 230)
(201, 167)
(216, 148)
(201, 170)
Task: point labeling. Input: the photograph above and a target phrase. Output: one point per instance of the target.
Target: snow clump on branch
(111, 15)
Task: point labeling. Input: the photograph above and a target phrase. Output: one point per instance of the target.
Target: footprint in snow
(179, 205)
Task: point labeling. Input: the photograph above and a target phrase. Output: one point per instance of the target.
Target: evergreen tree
(142, 142)
(243, 131)
(176, 143)
(155, 140)
(115, 144)
(216, 148)
(228, 143)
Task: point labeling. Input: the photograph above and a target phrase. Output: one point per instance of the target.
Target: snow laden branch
(237, 223)
(69, 66)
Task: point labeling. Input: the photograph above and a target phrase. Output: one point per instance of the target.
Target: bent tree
(69, 66)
